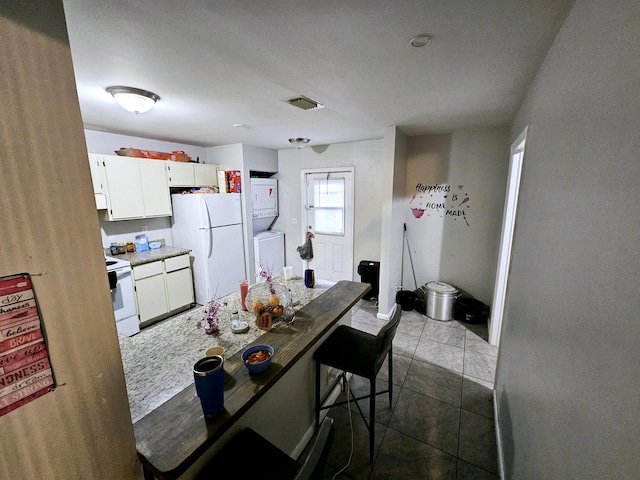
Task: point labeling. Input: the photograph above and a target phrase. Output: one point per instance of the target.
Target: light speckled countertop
(152, 255)
(158, 361)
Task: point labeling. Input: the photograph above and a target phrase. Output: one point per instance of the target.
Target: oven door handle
(113, 279)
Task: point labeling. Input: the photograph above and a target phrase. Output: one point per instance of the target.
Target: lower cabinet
(163, 287)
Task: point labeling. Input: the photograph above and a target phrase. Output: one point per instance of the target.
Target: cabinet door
(95, 163)
(151, 297)
(206, 174)
(179, 288)
(180, 174)
(155, 188)
(124, 196)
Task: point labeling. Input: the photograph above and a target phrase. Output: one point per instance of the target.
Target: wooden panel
(174, 435)
(50, 229)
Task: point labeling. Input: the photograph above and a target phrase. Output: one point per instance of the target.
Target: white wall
(459, 249)
(366, 157)
(567, 374)
(83, 428)
(392, 195)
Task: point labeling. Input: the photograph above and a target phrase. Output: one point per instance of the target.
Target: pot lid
(441, 287)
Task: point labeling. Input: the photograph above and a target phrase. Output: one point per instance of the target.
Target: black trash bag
(306, 250)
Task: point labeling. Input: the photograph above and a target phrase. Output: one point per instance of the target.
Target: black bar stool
(360, 353)
(249, 455)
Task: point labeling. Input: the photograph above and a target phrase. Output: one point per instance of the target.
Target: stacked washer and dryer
(268, 245)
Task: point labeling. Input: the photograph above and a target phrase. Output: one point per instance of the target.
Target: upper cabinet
(206, 175)
(95, 162)
(130, 187)
(183, 174)
(156, 197)
(133, 187)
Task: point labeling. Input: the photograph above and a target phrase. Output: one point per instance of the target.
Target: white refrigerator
(210, 225)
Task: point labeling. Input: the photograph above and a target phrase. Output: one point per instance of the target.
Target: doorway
(506, 237)
(328, 214)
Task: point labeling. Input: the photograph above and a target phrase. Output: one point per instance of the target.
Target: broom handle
(410, 257)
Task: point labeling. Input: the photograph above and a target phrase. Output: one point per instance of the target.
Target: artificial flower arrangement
(211, 319)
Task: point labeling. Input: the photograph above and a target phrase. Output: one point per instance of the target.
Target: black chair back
(313, 467)
(384, 339)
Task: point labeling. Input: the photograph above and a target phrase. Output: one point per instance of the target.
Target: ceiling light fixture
(299, 142)
(132, 99)
(420, 40)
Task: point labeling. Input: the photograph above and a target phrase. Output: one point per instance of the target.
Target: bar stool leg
(317, 394)
(372, 417)
(390, 357)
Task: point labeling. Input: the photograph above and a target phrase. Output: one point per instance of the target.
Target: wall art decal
(437, 200)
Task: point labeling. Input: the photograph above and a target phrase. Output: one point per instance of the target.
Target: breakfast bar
(175, 434)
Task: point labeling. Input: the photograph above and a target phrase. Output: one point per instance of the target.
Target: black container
(470, 310)
(369, 272)
(406, 299)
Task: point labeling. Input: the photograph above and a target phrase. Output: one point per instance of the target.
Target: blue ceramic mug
(208, 375)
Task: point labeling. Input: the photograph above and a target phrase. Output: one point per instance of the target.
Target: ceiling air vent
(305, 103)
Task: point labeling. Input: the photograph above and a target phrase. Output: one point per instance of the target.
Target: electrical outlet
(143, 228)
(294, 221)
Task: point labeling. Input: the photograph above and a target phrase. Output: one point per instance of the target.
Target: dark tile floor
(440, 425)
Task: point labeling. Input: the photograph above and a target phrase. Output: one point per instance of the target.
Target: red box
(233, 179)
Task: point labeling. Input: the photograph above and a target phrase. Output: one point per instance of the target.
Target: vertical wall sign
(25, 370)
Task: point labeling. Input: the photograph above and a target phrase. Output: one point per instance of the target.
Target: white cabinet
(179, 281)
(151, 294)
(124, 193)
(163, 286)
(206, 174)
(95, 163)
(97, 178)
(180, 174)
(134, 187)
(155, 188)
(183, 174)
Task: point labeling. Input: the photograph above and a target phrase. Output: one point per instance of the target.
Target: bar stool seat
(359, 353)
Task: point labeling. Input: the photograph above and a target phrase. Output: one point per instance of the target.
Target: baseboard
(333, 396)
(498, 436)
(383, 316)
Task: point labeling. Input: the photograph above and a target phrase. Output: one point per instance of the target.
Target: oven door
(123, 296)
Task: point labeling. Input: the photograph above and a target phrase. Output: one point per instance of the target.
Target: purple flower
(211, 319)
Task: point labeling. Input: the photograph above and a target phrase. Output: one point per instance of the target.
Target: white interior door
(328, 206)
(506, 238)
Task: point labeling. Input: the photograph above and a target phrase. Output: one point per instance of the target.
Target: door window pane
(328, 206)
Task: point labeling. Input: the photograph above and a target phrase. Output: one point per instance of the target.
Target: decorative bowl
(260, 366)
(269, 302)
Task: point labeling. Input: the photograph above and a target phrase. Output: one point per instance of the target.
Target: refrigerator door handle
(207, 224)
(206, 210)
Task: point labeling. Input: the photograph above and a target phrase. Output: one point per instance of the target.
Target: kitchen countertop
(152, 255)
(158, 361)
(173, 436)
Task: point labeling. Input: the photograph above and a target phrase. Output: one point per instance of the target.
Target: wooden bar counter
(173, 436)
